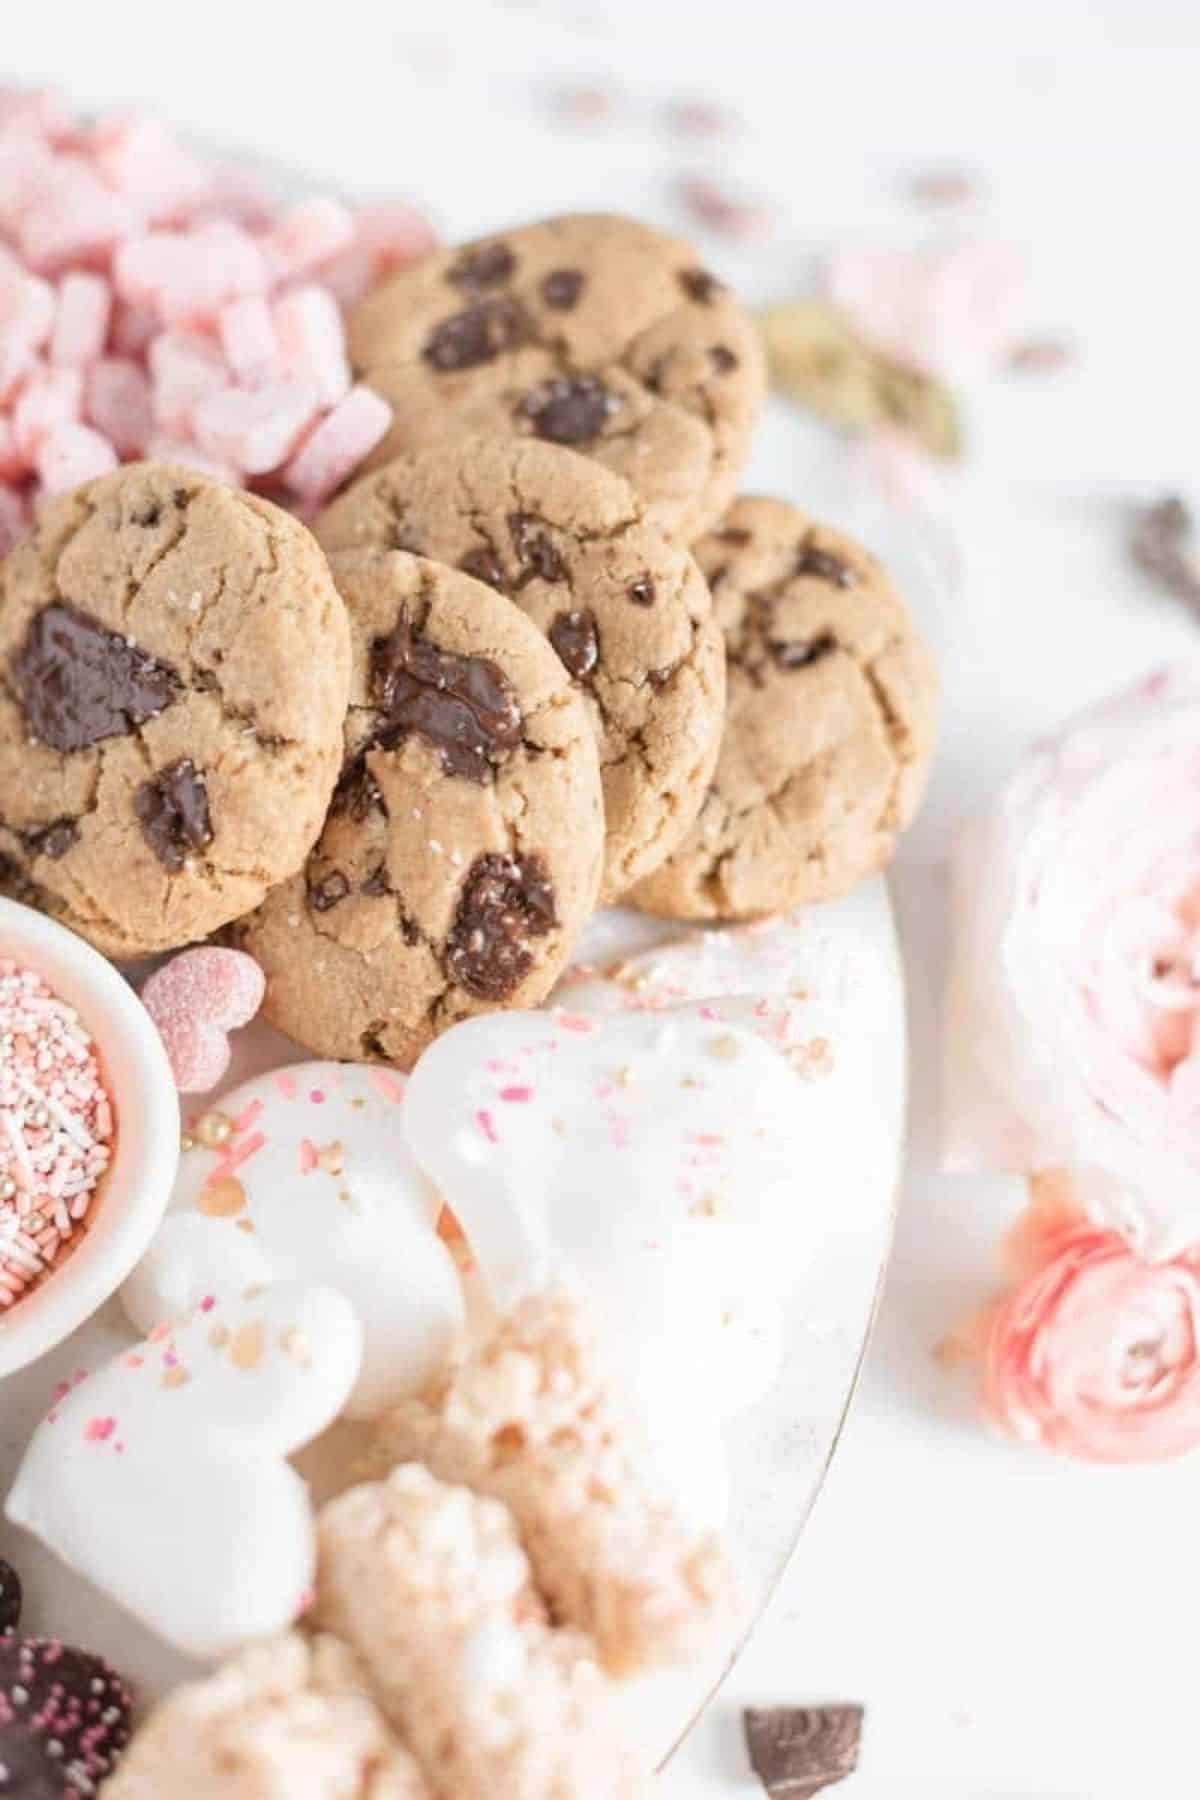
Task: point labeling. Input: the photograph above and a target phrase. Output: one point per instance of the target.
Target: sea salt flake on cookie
(81, 322)
(340, 442)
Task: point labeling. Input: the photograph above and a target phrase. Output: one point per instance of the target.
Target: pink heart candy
(196, 1000)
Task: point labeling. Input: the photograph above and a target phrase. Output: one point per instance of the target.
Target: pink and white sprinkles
(155, 304)
(56, 1128)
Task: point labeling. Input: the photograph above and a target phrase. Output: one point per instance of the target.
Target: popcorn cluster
(157, 304)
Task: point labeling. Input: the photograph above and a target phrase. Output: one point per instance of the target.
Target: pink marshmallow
(143, 160)
(117, 401)
(312, 341)
(36, 112)
(196, 1000)
(183, 368)
(70, 456)
(26, 317)
(15, 518)
(81, 323)
(26, 171)
(188, 276)
(337, 446)
(133, 327)
(306, 235)
(76, 219)
(254, 428)
(49, 399)
(388, 235)
(13, 466)
(247, 334)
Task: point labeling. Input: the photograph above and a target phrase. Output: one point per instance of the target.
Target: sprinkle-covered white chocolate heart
(313, 1181)
(162, 1477)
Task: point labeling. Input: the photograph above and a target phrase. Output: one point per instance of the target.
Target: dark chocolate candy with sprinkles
(10, 1597)
(79, 683)
(172, 810)
(796, 1751)
(505, 901)
(64, 1720)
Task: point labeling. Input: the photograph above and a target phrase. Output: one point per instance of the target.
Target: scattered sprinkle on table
(56, 1128)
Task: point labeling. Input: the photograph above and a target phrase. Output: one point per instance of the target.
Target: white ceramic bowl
(133, 1195)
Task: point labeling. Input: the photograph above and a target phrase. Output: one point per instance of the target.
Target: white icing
(362, 1220)
(162, 1479)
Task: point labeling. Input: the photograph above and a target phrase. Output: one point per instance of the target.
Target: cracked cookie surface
(590, 330)
(174, 666)
(628, 613)
(463, 846)
(829, 726)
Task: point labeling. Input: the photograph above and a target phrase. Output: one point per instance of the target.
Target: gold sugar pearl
(214, 1130)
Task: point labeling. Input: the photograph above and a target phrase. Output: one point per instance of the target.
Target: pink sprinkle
(487, 1125)
(516, 1094)
(308, 1156)
(208, 1302)
(98, 1431)
(390, 1086)
(134, 1361)
(576, 1022)
(235, 1157)
(247, 1117)
(710, 1139)
(618, 1129)
(317, 1096)
(158, 1334)
(285, 1081)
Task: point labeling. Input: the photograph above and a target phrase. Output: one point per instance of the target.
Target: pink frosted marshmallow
(188, 276)
(49, 399)
(305, 235)
(312, 341)
(183, 368)
(255, 428)
(71, 455)
(337, 446)
(116, 400)
(81, 321)
(248, 339)
(196, 1000)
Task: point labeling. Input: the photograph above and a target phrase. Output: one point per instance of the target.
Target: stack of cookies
(536, 658)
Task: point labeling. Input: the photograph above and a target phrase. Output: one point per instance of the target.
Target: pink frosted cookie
(196, 1000)
(286, 1718)
(429, 1586)
(538, 1416)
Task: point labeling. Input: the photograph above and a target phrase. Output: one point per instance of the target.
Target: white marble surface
(1016, 1627)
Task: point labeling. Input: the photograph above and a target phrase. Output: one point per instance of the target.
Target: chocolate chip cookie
(463, 848)
(592, 331)
(629, 614)
(829, 728)
(174, 666)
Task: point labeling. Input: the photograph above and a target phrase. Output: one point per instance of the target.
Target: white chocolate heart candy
(315, 1182)
(162, 1477)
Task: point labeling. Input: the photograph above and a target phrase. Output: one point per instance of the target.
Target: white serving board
(779, 1451)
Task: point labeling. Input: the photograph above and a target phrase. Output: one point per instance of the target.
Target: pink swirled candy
(1074, 994)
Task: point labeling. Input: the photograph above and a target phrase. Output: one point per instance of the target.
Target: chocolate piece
(464, 705)
(172, 810)
(505, 901)
(64, 1720)
(796, 654)
(700, 286)
(722, 358)
(797, 1750)
(571, 409)
(80, 683)
(641, 591)
(561, 288)
(477, 334)
(485, 566)
(357, 792)
(325, 894)
(826, 566)
(1163, 544)
(734, 534)
(10, 1598)
(535, 551)
(487, 265)
(377, 882)
(16, 884)
(574, 636)
(52, 840)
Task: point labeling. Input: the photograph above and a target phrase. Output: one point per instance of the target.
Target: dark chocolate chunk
(357, 792)
(377, 882)
(485, 266)
(52, 840)
(642, 591)
(64, 1720)
(734, 534)
(722, 358)
(574, 636)
(571, 409)
(464, 705)
(16, 884)
(700, 286)
(477, 334)
(80, 683)
(505, 901)
(536, 553)
(485, 566)
(329, 891)
(826, 566)
(172, 810)
(798, 654)
(561, 288)
(797, 1750)
(10, 1598)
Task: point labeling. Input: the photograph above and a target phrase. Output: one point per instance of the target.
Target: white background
(1016, 1627)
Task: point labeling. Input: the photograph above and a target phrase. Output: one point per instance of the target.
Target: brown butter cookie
(829, 727)
(462, 850)
(592, 331)
(174, 666)
(629, 614)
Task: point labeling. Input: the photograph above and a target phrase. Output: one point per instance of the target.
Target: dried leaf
(1163, 544)
(797, 1750)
